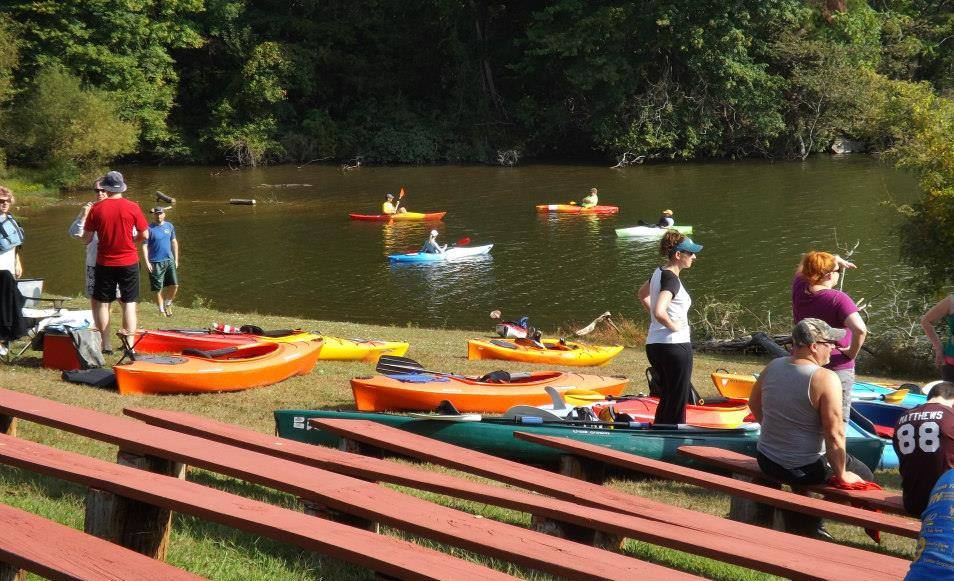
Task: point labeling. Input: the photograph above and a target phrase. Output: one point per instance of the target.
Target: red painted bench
(748, 466)
(386, 555)
(54, 551)
(343, 494)
(780, 499)
(698, 533)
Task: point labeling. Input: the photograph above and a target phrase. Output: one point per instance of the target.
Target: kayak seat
(499, 376)
(278, 333)
(209, 354)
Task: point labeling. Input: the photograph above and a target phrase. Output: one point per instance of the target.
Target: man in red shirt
(924, 441)
(119, 224)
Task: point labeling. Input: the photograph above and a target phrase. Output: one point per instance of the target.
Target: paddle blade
(896, 397)
(401, 194)
(463, 241)
(580, 397)
(394, 365)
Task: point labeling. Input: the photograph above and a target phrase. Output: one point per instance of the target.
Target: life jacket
(11, 234)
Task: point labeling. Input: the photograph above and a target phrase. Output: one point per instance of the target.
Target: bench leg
(749, 511)
(11, 573)
(321, 511)
(576, 533)
(8, 425)
(142, 527)
(582, 468)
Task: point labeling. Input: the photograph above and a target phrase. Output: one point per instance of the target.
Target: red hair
(817, 265)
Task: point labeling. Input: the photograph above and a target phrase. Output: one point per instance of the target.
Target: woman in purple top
(814, 295)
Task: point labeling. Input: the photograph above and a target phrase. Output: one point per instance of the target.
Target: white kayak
(451, 254)
(650, 231)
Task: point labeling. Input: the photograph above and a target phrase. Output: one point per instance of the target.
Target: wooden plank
(741, 464)
(54, 551)
(763, 494)
(342, 493)
(817, 559)
(393, 557)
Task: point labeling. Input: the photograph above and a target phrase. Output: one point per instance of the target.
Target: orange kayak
(230, 369)
(424, 392)
(730, 413)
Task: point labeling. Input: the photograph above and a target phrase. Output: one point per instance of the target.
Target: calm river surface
(297, 253)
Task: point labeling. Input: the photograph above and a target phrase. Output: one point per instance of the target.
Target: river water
(296, 252)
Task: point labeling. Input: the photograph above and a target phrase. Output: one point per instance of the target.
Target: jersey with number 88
(928, 437)
(924, 442)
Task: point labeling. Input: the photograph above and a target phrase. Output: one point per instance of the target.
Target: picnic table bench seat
(905, 527)
(347, 495)
(741, 464)
(390, 556)
(32, 543)
(697, 533)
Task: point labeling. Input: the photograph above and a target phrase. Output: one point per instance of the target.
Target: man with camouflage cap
(798, 403)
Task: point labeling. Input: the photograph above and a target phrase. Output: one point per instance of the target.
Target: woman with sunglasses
(11, 235)
(814, 296)
(668, 345)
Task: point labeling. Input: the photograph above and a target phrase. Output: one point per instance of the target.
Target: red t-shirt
(113, 220)
(924, 442)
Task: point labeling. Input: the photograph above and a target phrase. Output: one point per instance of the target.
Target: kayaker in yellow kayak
(431, 246)
(390, 207)
(590, 200)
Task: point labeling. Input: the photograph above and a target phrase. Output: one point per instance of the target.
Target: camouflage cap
(808, 331)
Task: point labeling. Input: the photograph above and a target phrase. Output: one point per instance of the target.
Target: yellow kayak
(554, 352)
(338, 349)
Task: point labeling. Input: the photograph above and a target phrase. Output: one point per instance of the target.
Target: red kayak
(728, 413)
(178, 340)
(400, 217)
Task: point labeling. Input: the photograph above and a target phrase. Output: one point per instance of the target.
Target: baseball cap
(434, 232)
(810, 330)
(688, 245)
(158, 210)
(389, 195)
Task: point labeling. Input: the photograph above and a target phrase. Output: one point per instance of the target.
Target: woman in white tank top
(668, 345)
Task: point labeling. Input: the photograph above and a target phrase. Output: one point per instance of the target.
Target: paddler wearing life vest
(390, 207)
(666, 220)
(431, 246)
(590, 200)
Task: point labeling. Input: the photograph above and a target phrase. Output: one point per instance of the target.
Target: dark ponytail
(671, 239)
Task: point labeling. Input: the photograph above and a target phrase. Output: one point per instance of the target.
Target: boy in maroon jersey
(924, 441)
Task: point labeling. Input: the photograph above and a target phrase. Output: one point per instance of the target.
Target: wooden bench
(698, 533)
(29, 543)
(554, 511)
(780, 499)
(364, 500)
(389, 556)
(748, 467)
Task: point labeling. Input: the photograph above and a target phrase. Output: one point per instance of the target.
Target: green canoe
(496, 437)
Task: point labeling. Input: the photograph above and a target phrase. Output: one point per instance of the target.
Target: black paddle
(394, 365)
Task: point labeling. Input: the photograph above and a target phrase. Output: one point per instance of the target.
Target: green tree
(66, 129)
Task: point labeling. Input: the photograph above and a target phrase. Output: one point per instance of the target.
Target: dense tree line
(425, 81)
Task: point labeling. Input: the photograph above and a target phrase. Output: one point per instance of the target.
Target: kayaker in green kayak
(591, 200)
(431, 246)
(666, 220)
(390, 207)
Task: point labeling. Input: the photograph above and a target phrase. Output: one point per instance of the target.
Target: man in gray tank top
(798, 403)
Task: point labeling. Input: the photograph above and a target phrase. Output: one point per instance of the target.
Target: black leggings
(673, 363)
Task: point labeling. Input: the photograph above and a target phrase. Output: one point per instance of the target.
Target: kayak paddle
(394, 365)
(400, 197)
(463, 241)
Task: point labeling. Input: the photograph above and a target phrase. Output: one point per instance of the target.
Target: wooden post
(11, 573)
(582, 468)
(749, 511)
(142, 527)
(8, 425)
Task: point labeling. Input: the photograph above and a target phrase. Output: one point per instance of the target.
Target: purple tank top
(831, 306)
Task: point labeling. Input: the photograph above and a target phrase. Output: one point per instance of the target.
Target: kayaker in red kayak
(431, 246)
(591, 200)
(390, 207)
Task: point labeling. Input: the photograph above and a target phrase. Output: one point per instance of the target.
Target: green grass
(223, 553)
(28, 187)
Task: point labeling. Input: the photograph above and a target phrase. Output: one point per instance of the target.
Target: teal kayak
(870, 391)
(495, 436)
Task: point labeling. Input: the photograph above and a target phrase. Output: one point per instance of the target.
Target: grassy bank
(221, 553)
(29, 186)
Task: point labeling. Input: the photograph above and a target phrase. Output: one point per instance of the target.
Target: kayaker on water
(814, 295)
(666, 220)
(798, 403)
(668, 346)
(390, 207)
(590, 200)
(431, 246)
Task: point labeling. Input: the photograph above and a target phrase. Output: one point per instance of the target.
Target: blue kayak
(871, 392)
(451, 254)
